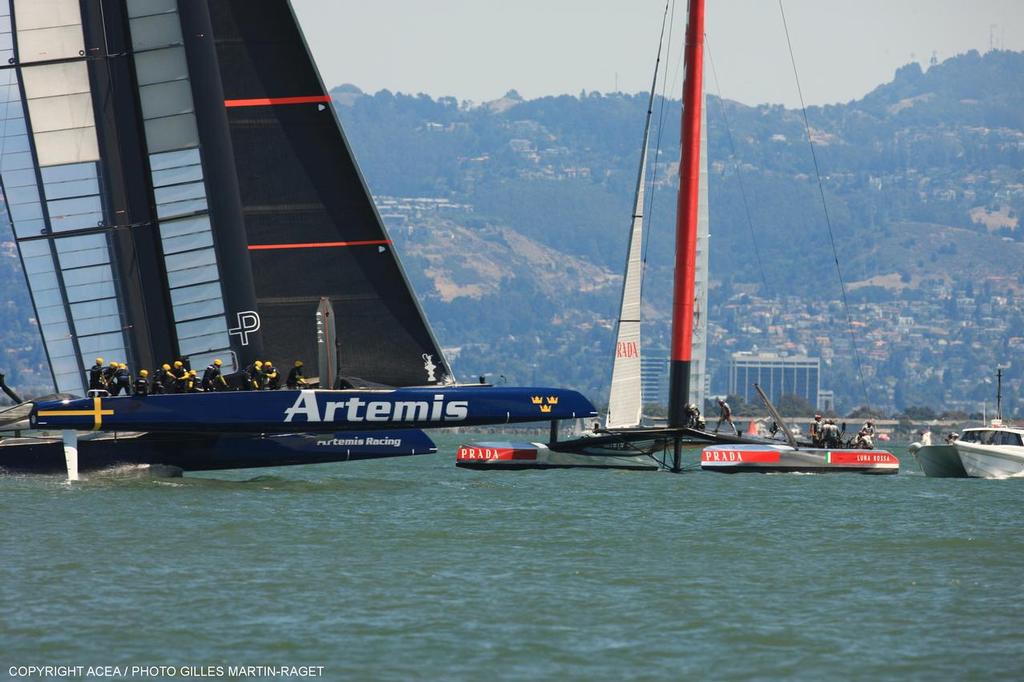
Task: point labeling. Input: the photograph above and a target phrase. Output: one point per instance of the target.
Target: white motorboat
(937, 461)
(995, 451)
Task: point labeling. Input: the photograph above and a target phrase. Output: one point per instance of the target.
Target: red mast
(686, 218)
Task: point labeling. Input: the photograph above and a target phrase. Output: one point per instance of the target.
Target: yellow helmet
(258, 364)
(298, 363)
(218, 362)
(191, 372)
(166, 366)
(268, 363)
(143, 372)
(177, 363)
(99, 361)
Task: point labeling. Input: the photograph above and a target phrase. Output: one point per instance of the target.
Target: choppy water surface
(413, 569)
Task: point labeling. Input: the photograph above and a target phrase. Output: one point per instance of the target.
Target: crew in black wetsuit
(142, 383)
(164, 380)
(179, 372)
(255, 372)
(96, 376)
(295, 378)
(108, 375)
(122, 381)
(271, 375)
(213, 380)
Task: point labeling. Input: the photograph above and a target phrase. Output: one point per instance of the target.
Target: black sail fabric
(311, 225)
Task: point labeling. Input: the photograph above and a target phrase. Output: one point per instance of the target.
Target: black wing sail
(311, 224)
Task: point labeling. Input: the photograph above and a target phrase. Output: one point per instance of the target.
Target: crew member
(693, 419)
(142, 383)
(168, 380)
(180, 373)
(255, 372)
(273, 378)
(295, 378)
(213, 380)
(817, 432)
(122, 381)
(865, 437)
(190, 382)
(96, 376)
(108, 375)
(725, 415)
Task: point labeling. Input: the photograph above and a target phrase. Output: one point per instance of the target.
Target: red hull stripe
(270, 101)
(318, 245)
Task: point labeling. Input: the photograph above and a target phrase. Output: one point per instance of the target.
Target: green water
(413, 569)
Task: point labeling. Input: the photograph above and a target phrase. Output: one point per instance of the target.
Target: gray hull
(939, 461)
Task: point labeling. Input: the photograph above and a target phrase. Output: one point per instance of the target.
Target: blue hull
(313, 411)
(206, 452)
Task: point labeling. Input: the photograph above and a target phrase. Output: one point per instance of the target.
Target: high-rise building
(777, 375)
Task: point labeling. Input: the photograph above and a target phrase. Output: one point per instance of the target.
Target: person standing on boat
(725, 415)
(96, 376)
(817, 432)
(295, 378)
(122, 381)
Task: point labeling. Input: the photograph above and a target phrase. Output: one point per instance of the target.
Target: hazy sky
(479, 49)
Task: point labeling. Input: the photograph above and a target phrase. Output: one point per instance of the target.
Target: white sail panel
(48, 29)
(625, 401)
(59, 95)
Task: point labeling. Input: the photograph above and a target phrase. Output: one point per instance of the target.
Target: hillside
(512, 216)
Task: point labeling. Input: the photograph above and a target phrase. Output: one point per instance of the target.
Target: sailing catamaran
(625, 442)
(179, 186)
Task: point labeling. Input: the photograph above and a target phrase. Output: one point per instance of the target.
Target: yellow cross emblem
(96, 413)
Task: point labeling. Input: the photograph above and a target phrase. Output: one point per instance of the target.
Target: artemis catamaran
(179, 187)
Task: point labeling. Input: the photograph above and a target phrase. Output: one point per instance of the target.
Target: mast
(686, 218)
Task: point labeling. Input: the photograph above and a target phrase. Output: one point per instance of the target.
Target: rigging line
(643, 152)
(824, 205)
(649, 212)
(739, 171)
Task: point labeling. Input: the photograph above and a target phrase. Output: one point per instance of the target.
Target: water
(413, 569)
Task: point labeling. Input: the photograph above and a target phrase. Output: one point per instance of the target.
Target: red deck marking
(738, 456)
(270, 101)
(478, 453)
(318, 245)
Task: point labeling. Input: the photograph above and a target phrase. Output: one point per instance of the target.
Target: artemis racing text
(359, 410)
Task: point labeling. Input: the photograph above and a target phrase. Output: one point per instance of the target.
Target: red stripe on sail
(318, 245)
(270, 101)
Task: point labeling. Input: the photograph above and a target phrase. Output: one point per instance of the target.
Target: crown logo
(536, 399)
(545, 408)
(552, 400)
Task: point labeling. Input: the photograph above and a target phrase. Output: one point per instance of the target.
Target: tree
(790, 405)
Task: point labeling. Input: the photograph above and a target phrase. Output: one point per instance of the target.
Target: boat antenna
(824, 205)
(999, 393)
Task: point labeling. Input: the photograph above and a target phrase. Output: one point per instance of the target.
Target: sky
(479, 49)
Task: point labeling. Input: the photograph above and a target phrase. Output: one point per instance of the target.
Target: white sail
(625, 402)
